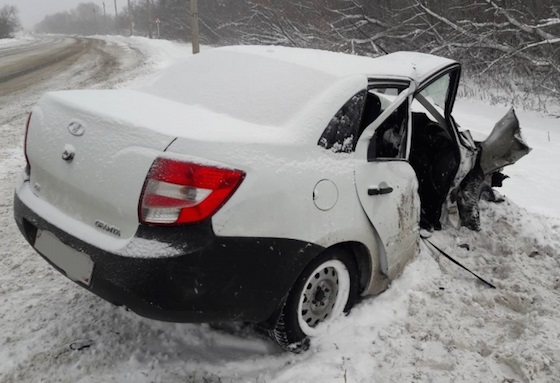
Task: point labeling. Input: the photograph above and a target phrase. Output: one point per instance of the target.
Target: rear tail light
(28, 166)
(178, 192)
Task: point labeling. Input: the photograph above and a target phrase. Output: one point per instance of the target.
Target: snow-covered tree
(9, 21)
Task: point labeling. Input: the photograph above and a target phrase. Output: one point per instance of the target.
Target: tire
(487, 194)
(468, 198)
(325, 290)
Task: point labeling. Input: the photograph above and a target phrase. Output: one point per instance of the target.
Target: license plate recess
(76, 265)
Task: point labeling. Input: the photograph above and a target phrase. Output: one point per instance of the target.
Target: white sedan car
(259, 184)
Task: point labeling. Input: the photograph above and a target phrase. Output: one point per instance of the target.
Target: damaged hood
(504, 146)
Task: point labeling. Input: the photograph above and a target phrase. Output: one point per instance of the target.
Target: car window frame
(409, 90)
(454, 70)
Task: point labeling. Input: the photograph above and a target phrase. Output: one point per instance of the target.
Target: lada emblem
(76, 128)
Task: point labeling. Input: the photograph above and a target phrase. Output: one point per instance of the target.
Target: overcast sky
(33, 11)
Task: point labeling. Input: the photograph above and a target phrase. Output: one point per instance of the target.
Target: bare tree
(86, 19)
(9, 21)
(516, 42)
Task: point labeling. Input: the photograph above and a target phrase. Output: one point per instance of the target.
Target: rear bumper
(212, 279)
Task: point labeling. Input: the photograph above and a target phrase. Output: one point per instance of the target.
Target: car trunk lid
(88, 161)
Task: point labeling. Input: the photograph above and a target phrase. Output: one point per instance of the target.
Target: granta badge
(76, 128)
(108, 228)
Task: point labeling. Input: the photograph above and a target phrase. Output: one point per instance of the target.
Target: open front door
(386, 183)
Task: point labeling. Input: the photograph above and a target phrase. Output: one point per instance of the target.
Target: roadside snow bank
(18, 39)
(157, 54)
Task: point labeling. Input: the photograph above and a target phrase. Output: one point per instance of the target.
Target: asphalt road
(25, 66)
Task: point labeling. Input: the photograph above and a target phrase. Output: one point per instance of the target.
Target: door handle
(379, 190)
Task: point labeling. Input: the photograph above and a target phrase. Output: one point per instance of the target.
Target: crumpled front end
(503, 147)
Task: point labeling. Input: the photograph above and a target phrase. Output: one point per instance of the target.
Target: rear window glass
(342, 131)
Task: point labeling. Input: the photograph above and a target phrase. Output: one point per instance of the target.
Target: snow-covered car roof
(414, 65)
(297, 90)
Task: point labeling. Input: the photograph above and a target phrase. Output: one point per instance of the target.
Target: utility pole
(105, 17)
(194, 27)
(130, 19)
(150, 18)
(116, 19)
(95, 20)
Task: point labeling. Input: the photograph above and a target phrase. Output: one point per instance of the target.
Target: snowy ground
(435, 323)
(19, 40)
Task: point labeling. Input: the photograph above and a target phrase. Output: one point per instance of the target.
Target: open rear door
(385, 182)
(387, 192)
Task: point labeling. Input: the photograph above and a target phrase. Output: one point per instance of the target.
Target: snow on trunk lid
(90, 152)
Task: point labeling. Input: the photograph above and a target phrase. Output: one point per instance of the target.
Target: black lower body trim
(213, 279)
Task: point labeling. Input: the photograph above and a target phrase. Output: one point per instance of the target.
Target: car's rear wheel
(324, 291)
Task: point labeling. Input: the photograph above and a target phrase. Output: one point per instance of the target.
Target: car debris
(504, 146)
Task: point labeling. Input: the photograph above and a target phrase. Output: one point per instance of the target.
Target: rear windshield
(251, 88)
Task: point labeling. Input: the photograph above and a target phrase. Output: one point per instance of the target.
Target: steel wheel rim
(324, 296)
